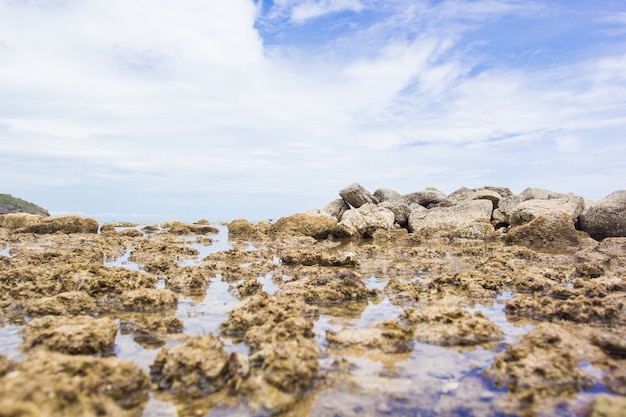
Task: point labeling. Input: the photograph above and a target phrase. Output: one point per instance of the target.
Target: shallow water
(425, 380)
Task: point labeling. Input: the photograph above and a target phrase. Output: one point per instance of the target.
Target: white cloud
(160, 96)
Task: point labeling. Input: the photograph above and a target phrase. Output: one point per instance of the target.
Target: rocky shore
(480, 302)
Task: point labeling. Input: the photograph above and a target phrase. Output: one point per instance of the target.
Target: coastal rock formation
(365, 220)
(356, 195)
(440, 219)
(315, 226)
(64, 224)
(607, 217)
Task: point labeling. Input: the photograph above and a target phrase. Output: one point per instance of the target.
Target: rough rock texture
(607, 217)
(75, 335)
(15, 221)
(336, 208)
(543, 367)
(486, 194)
(198, 366)
(389, 336)
(606, 406)
(64, 224)
(528, 210)
(555, 228)
(364, 221)
(57, 385)
(356, 195)
(452, 326)
(66, 303)
(458, 196)
(148, 300)
(318, 227)
(427, 198)
(401, 211)
(446, 218)
(387, 194)
(534, 193)
(243, 229)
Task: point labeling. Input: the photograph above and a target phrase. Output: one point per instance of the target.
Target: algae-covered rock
(73, 335)
(452, 326)
(315, 226)
(66, 303)
(148, 300)
(58, 385)
(64, 224)
(198, 366)
(319, 257)
(544, 366)
(555, 229)
(243, 229)
(607, 406)
(389, 336)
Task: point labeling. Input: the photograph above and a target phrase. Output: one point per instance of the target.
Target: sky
(225, 109)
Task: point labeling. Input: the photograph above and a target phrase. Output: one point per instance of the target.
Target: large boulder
(401, 211)
(528, 210)
(356, 195)
(458, 196)
(554, 229)
(427, 198)
(486, 194)
(533, 193)
(63, 224)
(16, 221)
(387, 194)
(336, 208)
(607, 217)
(364, 221)
(441, 219)
(316, 226)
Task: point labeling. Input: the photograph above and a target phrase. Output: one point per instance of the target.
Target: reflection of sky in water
(10, 341)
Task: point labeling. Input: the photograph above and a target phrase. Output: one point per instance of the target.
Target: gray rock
(503, 191)
(528, 210)
(458, 196)
(553, 228)
(532, 193)
(336, 208)
(365, 220)
(427, 198)
(607, 217)
(486, 194)
(387, 194)
(400, 210)
(445, 218)
(356, 195)
(508, 205)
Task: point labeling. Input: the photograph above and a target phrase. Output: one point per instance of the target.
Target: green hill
(10, 204)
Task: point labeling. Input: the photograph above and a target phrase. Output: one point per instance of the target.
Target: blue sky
(223, 109)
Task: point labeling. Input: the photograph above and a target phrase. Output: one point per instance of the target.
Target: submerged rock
(74, 335)
(66, 303)
(607, 217)
(58, 385)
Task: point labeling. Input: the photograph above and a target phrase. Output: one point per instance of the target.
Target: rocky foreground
(520, 300)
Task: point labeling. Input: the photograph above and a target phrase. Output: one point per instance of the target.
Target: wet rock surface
(291, 319)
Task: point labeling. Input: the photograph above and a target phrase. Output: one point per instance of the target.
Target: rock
(388, 336)
(15, 221)
(441, 219)
(473, 231)
(179, 228)
(503, 191)
(198, 366)
(54, 384)
(66, 303)
(458, 196)
(554, 228)
(401, 211)
(364, 221)
(613, 246)
(336, 208)
(356, 195)
(73, 335)
(318, 257)
(607, 217)
(540, 194)
(148, 300)
(449, 326)
(530, 209)
(544, 365)
(427, 198)
(607, 406)
(243, 229)
(499, 219)
(387, 194)
(336, 287)
(10, 204)
(507, 206)
(65, 224)
(315, 226)
(485, 194)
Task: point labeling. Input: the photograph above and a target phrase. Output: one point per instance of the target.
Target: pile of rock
(535, 216)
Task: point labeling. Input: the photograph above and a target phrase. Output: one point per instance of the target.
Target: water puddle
(10, 342)
(123, 262)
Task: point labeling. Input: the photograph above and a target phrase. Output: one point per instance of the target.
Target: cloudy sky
(223, 109)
